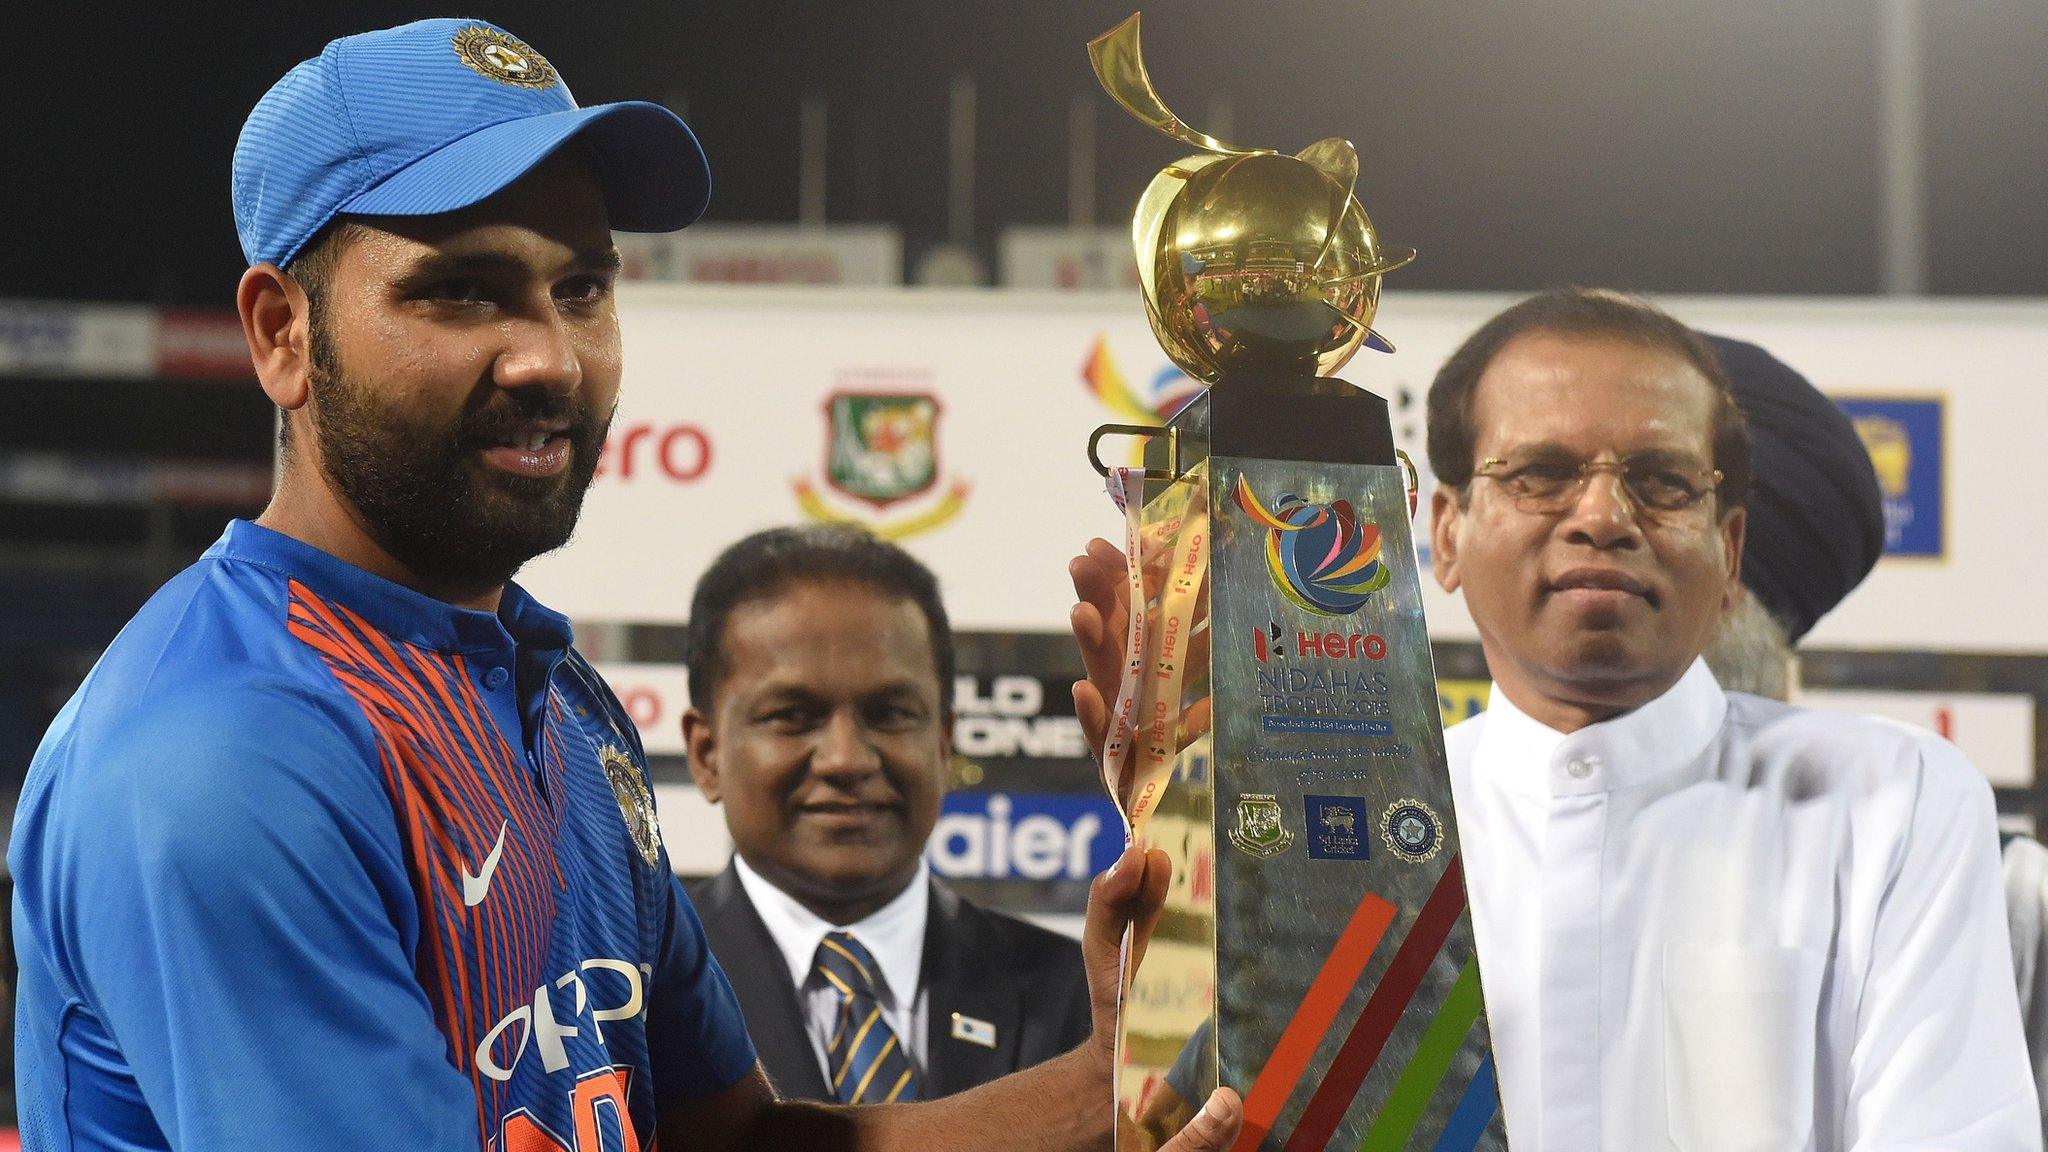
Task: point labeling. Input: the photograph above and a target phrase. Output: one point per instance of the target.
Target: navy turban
(1816, 518)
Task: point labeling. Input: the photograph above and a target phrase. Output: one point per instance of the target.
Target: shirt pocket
(1739, 1046)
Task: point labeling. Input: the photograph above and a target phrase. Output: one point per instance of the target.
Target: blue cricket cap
(435, 116)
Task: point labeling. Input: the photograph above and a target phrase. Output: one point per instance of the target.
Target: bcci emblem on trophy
(882, 450)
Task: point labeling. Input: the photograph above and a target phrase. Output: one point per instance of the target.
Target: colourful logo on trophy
(1320, 557)
(1259, 830)
(881, 450)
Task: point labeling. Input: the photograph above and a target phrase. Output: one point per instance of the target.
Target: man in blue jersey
(341, 845)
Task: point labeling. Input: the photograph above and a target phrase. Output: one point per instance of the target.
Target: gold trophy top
(1250, 260)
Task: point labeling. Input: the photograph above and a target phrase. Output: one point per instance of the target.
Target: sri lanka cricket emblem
(1259, 830)
(882, 450)
(1891, 452)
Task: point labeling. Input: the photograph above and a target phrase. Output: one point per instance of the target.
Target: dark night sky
(1663, 145)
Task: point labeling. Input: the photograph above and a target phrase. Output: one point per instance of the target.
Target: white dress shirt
(2026, 910)
(1722, 924)
(894, 934)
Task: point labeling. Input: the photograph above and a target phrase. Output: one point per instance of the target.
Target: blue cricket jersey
(312, 861)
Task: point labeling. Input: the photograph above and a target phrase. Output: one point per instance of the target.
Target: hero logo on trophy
(1335, 985)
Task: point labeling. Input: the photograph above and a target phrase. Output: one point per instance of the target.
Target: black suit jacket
(1026, 981)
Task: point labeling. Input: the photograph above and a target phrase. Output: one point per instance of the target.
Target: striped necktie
(868, 1063)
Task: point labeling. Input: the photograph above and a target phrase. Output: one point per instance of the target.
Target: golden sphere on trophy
(1250, 260)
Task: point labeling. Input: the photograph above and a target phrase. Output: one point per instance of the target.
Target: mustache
(499, 415)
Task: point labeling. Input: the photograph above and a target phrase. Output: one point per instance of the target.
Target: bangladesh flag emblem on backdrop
(883, 447)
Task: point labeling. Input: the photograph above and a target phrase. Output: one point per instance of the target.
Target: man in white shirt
(1703, 923)
(820, 659)
(1815, 530)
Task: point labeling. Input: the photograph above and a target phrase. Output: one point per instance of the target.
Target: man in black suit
(821, 664)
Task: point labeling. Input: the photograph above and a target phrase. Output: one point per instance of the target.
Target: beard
(423, 495)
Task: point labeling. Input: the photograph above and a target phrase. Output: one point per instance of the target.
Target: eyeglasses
(1653, 484)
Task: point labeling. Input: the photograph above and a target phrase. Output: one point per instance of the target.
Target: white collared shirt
(894, 934)
(1720, 923)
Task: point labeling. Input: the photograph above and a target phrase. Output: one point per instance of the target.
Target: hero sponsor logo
(1271, 645)
(1307, 686)
(675, 453)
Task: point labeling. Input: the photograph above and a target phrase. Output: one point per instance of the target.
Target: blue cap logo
(502, 57)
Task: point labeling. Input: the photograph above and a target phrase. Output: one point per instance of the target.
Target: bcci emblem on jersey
(636, 803)
(1259, 830)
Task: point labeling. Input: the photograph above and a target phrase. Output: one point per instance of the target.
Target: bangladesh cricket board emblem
(1260, 830)
(636, 803)
(882, 466)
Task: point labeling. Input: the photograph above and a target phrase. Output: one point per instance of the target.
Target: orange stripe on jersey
(454, 780)
(509, 782)
(400, 729)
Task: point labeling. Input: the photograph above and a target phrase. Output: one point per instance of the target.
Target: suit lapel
(760, 978)
(960, 981)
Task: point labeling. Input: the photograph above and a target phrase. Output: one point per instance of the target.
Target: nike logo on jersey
(475, 888)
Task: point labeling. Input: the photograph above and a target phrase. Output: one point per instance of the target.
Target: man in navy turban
(1816, 518)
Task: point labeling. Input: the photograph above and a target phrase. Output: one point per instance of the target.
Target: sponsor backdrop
(954, 423)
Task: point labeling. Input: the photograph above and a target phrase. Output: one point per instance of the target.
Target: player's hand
(1214, 1128)
(1130, 895)
(1101, 621)
(1127, 896)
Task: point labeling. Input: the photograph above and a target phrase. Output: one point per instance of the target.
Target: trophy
(1278, 732)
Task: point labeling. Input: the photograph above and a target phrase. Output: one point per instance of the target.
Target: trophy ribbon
(1126, 487)
(1146, 727)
